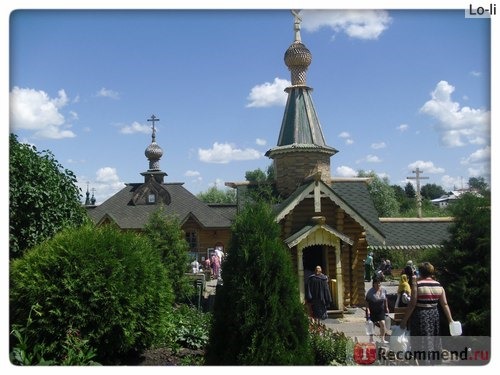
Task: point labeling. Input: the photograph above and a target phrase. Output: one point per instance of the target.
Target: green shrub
(108, 285)
(330, 347)
(191, 327)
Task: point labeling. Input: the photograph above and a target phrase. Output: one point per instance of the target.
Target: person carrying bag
(404, 292)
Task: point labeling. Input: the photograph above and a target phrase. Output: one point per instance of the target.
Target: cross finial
(296, 24)
(419, 197)
(153, 119)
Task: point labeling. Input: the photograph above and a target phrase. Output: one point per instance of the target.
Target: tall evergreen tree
(464, 264)
(258, 316)
(165, 233)
(410, 190)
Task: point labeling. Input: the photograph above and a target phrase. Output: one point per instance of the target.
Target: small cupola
(154, 153)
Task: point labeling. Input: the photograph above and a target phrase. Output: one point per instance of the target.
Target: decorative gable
(151, 193)
(317, 190)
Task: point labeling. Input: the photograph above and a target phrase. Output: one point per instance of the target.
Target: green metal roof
(300, 127)
(300, 122)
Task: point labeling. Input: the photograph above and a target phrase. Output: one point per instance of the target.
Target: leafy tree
(256, 175)
(432, 191)
(108, 286)
(262, 186)
(165, 233)
(464, 264)
(478, 183)
(399, 193)
(410, 190)
(43, 197)
(258, 316)
(383, 195)
(214, 195)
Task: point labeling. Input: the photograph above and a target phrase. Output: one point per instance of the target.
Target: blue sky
(394, 90)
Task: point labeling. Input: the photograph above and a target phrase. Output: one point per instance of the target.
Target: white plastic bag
(399, 339)
(369, 327)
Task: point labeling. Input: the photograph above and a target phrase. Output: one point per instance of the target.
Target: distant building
(206, 226)
(444, 200)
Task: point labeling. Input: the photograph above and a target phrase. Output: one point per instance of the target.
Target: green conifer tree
(258, 316)
(464, 264)
(165, 233)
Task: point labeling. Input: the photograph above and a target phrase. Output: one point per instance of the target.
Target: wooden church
(326, 221)
(207, 227)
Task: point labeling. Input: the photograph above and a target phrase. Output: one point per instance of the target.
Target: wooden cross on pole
(419, 198)
(297, 21)
(153, 119)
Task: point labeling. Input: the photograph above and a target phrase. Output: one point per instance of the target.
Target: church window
(192, 240)
(151, 198)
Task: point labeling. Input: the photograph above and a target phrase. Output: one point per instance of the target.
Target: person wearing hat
(369, 268)
(409, 271)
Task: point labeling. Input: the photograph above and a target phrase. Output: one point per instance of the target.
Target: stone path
(353, 325)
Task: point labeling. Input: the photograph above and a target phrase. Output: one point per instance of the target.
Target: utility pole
(418, 177)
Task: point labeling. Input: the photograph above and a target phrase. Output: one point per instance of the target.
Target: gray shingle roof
(356, 195)
(183, 204)
(351, 194)
(412, 233)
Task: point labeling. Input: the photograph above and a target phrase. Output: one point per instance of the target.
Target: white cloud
(475, 73)
(360, 24)
(372, 159)
(344, 135)
(218, 183)
(403, 127)
(105, 184)
(426, 167)
(135, 127)
(194, 175)
(480, 171)
(347, 137)
(450, 183)
(107, 175)
(482, 155)
(260, 142)
(269, 94)
(457, 126)
(379, 145)
(223, 153)
(344, 171)
(106, 93)
(35, 110)
(191, 173)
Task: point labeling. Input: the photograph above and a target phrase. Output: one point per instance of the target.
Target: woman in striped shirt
(423, 311)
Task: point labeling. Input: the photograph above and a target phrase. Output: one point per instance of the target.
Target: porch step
(332, 314)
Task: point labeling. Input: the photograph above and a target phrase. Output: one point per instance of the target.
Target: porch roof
(303, 233)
